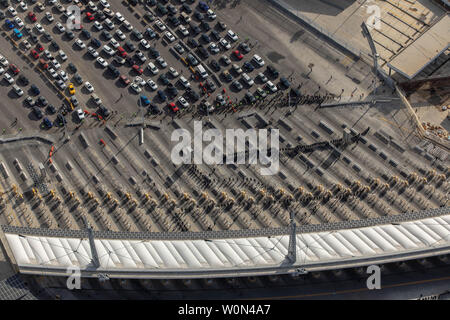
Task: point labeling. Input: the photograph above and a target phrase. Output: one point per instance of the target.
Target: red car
(14, 68)
(238, 55)
(39, 47)
(90, 16)
(173, 107)
(138, 69)
(121, 52)
(35, 54)
(125, 80)
(32, 17)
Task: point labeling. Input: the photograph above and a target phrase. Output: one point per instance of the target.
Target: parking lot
(106, 175)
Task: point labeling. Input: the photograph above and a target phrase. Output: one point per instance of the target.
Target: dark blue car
(48, 123)
(162, 95)
(202, 5)
(9, 24)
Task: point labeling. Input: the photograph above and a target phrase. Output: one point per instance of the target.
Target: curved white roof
(226, 257)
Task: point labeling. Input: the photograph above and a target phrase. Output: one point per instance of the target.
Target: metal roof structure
(259, 255)
(423, 51)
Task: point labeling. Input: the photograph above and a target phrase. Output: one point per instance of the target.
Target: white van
(153, 69)
(185, 17)
(202, 72)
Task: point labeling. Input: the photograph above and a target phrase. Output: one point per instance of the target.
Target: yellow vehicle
(71, 89)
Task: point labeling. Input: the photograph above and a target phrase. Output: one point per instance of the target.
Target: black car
(2, 15)
(171, 90)
(35, 89)
(37, 112)
(199, 16)
(163, 78)
(131, 47)
(130, 61)
(100, 16)
(172, 10)
(272, 71)
(215, 35)
(205, 26)
(154, 109)
(215, 65)
(162, 95)
(192, 94)
(33, 38)
(96, 43)
(205, 38)
(151, 2)
(104, 111)
(24, 80)
(186, 8)
(78, 79)
(210, 85)
(41, 101)
(105, 34)
(284, 83)
(244, 47)
(222, 26)
(191, 59)
(70, 35)
(250, 98)
(72, 67)
(51, 109)
(86, 34)
(48, 36)
(174, 21)
(149, 17)
(161, 9)
(192, 42)
(55, 45)
(195, 29)
(60, 120)
(248, 66)
(133, 2)
(153, 52)
(203, 52)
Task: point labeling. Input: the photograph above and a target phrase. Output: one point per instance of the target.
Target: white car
(141, 56)
(18, 22)
(102, 62)
(271, 87)
(92, 52)
(119, 17)
(127, 25)
(3, 61)
(145, 44)
(225, 43)
(8, 78)
(160, 25)
(55, 63)
(108, 50)
(136, 88)
(114, 43)
(23, 6)
(214, 48)
(61, 84)
(53, 73)
(120, 35)
(60, 8)
(47, 54)
(184, 82)
(80, 114)
(174, 73)
(169, 36)
(211, 14)
(39, 28)
(233, 36)
(60, 27)
(183, 30)
(92, 6)
(26, 44)
(41, 6)
(17, 90)
(152, 84)
(63, 55)
(104, 3)
(2, 70)
(109, 24)
(51, 2)
(49, 16)
(98, 25)
(183, 102)
(63, 76)
(152, 68)
(258, 60)
(12, 11)
(89, 87)
(161, 62)
(138, 80)
(80, 43)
